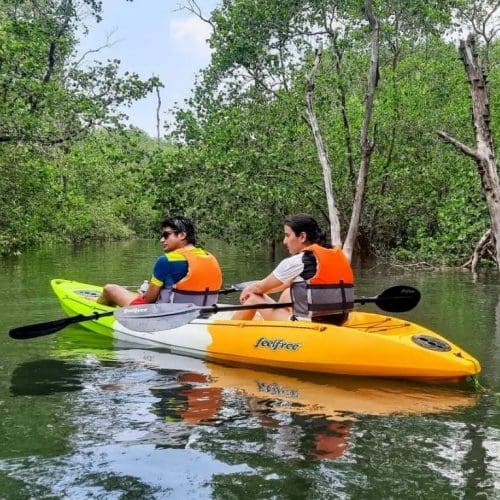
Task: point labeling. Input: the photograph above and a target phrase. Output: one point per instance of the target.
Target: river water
(84, 417)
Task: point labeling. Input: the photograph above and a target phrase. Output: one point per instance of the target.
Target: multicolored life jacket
(330, 291)
(201, 284)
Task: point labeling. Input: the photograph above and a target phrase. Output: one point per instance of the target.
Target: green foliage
(253, 157)
(102, 188)
(45, 96)
(108, 180)
(59, 179)
(241, 156)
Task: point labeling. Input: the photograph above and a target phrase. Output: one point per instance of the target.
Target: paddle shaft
(238, 287)
(278, 305)
(220, 308)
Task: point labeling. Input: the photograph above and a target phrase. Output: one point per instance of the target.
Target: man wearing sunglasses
(184, 273)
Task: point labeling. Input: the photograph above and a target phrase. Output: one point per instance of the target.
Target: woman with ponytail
(318, 280)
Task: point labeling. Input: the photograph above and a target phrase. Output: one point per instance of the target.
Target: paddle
(48, 327)
(399, 298)
(237, 287)
(156, 317)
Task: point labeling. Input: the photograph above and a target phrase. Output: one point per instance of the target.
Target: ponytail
(304, 223)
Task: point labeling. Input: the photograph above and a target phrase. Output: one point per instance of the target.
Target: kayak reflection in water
(192, 404)
(288, 435)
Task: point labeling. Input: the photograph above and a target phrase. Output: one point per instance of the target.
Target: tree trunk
(366, 144)
(479, 250)
(484, 153)
(322, 154)
(158, 107)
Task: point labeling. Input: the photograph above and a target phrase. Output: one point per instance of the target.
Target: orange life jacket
(330, 291)
(202, 282)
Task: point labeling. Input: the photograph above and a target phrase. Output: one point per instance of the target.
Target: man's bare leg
(116, 295)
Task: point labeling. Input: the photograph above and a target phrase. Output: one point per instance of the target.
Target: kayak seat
(332, 319)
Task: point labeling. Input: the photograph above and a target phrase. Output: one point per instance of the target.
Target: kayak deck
(366, 344)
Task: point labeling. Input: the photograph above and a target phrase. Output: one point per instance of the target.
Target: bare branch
(479, 18)
(487, 18)
(480, 249)
(158, 106)
(108, 44)
(260, 81)
(492, 11)
(459, 145)
(195, 9)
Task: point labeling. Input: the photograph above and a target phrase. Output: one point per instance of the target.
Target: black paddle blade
(48, 327)
(399, 298)
(39, 329)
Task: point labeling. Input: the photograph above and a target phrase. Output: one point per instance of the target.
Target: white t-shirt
(290, 269)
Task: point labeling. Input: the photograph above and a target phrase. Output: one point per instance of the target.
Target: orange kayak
(367, 344)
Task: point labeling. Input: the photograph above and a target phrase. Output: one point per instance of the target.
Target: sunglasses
(166, 234)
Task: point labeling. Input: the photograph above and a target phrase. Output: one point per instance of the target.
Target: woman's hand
(269, 284)
(246, 292)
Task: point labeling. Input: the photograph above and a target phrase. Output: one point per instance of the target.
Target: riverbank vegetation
(241, 155)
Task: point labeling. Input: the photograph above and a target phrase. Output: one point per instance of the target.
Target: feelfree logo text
(278, 344)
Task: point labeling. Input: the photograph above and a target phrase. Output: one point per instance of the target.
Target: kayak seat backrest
(332, 319)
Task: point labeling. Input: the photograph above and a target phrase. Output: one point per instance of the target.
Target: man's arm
(152, 293)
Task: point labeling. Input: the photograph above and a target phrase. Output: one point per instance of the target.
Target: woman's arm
(269, 284)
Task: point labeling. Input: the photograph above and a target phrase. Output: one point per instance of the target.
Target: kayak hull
(367, 344)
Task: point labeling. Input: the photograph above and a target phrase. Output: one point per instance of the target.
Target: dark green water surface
(84, 417)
